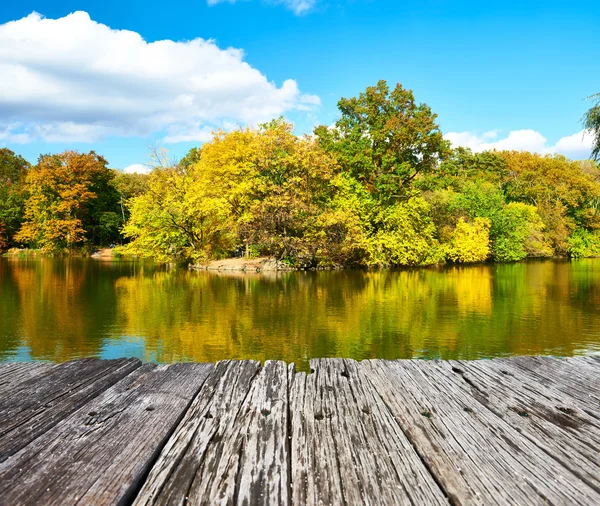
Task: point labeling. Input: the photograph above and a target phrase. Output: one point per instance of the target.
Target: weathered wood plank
(476, 456)
(100, 454)
(577, 371)
(558, 376)
(346, 446)
(504, 431)
(201, 462)
(263, 473)
(34, 406)
(14, 373)
(314, 467)
(565, 433)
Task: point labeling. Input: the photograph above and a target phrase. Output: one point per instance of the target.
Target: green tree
(102, 211)
(462, 166)
(13, 169)
(591, 122)
(583, 244)
(385, 139)
(515, 231)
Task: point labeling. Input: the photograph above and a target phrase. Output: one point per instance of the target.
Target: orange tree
(60, 189)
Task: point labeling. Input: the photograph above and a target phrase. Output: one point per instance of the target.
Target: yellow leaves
(405, 235)
(470, 242)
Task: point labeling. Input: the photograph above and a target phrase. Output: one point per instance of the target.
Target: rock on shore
(262, 264)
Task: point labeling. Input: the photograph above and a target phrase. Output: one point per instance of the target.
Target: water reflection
(60, 309)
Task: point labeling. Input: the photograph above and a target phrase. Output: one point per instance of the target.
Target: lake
(59, 309)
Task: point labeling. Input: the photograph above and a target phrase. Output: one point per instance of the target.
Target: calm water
(61, 309)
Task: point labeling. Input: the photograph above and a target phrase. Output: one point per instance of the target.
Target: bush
(406, 235)
(517, 233)
(470, 242)
(583, 244)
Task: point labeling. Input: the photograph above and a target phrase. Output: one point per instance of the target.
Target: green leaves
(591, 122)
(384, 139)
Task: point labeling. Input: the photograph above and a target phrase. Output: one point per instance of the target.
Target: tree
(293, 188)
(13, 169)
(591, 122)
(385, 139)
(102, 211)
(181, 217)
(129, 186)
(60, 188)
(462, 166)
(261, 190)
(565, 195)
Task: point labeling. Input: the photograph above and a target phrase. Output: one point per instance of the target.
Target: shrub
(470, 242)
(583, 244)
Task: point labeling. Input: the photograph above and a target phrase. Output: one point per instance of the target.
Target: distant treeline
(380, 187)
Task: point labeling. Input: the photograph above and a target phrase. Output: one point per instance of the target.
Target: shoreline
(259, 264)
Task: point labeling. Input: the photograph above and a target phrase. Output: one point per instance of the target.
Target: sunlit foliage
(470, 242)
(381, 187)
(60, 189)
(384, 139)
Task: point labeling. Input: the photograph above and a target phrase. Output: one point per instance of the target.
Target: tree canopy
(385, 139)
(591, 121)
(379, 188)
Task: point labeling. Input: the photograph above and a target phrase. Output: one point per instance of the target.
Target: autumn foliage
(380, 187)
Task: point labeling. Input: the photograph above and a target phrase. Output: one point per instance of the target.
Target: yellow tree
(171, 222)
(566, 196)
(294, 188)
(262, 188)
(59, 189)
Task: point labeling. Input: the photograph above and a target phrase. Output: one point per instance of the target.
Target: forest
(380, 187)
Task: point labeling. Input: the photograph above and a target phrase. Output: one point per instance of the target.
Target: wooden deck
(507, 431)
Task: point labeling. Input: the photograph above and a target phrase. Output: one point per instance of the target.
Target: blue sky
(502, 74)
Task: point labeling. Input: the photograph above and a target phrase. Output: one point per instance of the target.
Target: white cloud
(137, 168)
(297, 6)
(75, 80)
(576, 146)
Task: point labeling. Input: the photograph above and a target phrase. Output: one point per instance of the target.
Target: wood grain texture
(581, 384)
(35, 405)
(100, 454)
(346, 446)
(14, 373)
(200, 462)
(476, 456)
(551, 421)
(504, 431)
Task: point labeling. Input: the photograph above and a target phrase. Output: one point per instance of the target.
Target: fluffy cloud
(576, 146)
(72, 79)
(137, 168)
(297, 6)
